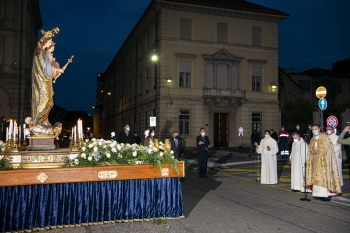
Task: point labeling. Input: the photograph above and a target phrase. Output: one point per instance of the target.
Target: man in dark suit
(126, 136)
(176, 145)
(299, 131)
(274, 134)
(203, 146)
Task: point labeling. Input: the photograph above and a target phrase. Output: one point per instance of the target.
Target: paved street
(230, 200)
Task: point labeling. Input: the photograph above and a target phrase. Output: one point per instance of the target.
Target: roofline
(237, 8)
(150, 6)
(279, 68)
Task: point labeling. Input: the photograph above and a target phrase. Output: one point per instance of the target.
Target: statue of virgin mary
(44, 69)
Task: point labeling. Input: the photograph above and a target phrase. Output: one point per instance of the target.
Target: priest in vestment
(297, 161)
(337, 149)
(321, 167)
(268, 149)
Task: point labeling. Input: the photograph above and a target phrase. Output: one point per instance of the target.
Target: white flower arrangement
(99, 152)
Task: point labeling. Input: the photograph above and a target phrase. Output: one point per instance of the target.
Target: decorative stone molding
(223, 12)
(223, 97)
(222, 55)
(185, 55)
(257, 61)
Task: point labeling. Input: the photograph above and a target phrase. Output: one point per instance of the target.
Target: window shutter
(256, 71)
(186, 29)
(256, 36)
(222, 33)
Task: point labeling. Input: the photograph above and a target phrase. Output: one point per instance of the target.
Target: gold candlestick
(11, 145)
(167, 146)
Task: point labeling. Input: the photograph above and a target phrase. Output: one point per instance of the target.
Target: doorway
(220, 129)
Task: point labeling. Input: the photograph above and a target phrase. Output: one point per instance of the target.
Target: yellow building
(216, 67)
(19, 24)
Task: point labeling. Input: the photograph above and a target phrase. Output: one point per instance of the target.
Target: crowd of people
(313, 153)
(310, 152)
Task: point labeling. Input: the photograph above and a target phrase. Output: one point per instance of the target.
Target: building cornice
(222, 12)
(257, 61)
(185, 55)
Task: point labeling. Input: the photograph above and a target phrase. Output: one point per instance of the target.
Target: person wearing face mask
(126, 136)
(322, 175)
(268, 149)
(283, 138)
(149, 138)
(203, 149)
(176, 145)
(308, 135)
(297, 161)
(337, 149)
(299, 131)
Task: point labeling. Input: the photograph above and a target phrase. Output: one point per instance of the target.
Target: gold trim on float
(42, 177)
(107, 174)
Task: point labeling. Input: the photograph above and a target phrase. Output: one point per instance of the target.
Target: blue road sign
(322, 103)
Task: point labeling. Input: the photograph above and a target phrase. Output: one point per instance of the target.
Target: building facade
(20, 21)
(214, 65)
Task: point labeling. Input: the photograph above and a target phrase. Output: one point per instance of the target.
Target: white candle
(14, 130)
(80, 122)
(10, 128)
(24, 126)
(7, 133)
(75, 133)
(72, 134)
(20, 132)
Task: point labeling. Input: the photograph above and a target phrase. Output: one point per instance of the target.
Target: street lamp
(154, 57)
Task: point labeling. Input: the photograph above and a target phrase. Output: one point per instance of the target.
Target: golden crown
(48, 34)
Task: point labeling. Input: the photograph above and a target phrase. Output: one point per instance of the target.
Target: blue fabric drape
(38, 206)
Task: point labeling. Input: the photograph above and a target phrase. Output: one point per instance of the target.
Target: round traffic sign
(321, 92)
(332, 121)
(240, 130)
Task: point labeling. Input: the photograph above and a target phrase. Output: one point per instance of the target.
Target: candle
(7, 133)
(72, 134)
(14, 130)
(75, 133)
(24, 126)
(10, 128)
(20, 132)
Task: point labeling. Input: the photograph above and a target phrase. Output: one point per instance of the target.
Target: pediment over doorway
(222, 55)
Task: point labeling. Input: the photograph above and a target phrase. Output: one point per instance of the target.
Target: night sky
(316, 34)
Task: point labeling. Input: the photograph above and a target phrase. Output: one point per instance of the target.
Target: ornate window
(184, 122)
(222, 70)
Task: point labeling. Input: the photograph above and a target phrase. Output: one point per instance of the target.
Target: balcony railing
(223, 93)
(223, 97)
